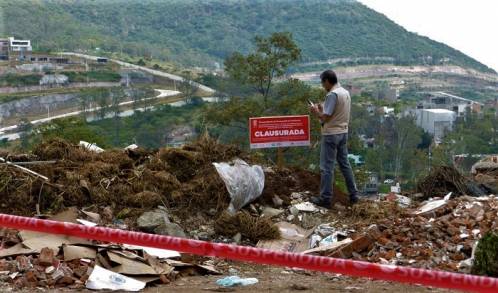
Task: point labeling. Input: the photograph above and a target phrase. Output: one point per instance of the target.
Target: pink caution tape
(432, 278)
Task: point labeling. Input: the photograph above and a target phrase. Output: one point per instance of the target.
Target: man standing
(334, 116)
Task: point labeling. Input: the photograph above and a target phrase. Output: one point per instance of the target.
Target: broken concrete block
(170, 229)
(149, 221)
(46, 257)
(237, 238)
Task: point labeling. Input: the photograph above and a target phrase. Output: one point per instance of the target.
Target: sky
(468, 26)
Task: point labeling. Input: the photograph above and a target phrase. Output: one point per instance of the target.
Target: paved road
(148, 70)
(14, 136)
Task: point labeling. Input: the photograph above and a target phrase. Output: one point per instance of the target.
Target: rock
(277, 201)
(203, 236)
(271, 212)
(107, 214)
(237, 238)
(294, 211)
(290, 218)
(164, 279)
(212, 212)
(296, 195)
(170, 229)
(149, 221)
(46, 257)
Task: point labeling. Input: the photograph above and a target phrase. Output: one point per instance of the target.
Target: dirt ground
(271, 279)
(277, 279)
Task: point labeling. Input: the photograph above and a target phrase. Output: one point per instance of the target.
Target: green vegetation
(192, 32)
(93, 76)
(14, 80)
(271, 59)
(476, 134)
(486, 256)
(147, 129)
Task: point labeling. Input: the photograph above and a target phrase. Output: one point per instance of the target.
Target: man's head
(329, 79)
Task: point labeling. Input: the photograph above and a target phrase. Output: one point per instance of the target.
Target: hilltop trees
(272, 57)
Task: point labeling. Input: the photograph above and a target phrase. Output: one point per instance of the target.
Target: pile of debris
(438, 234)
(181, 192)
(170, 191)
(31, 260)
(123, 184)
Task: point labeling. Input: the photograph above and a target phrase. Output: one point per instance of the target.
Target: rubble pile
(122, 185)
(180, 192)
(440, 234)
(34, 260)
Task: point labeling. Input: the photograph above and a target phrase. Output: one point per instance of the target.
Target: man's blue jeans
(334, 147)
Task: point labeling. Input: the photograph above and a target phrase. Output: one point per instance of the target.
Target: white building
(436, 121)
(20, 45)
(459, 105)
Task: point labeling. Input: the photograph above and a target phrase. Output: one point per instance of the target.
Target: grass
(93, 76)
(14, 80)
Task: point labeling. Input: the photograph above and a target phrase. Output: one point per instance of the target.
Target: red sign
(279, 131)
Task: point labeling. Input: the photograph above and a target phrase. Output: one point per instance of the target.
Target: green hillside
(200, 32)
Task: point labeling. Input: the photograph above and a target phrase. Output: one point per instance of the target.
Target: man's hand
(316, 109)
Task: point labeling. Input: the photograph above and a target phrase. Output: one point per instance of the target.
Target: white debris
(86, 223)
(131, 147)
(158, 252)
(101, 279)
(91, 146)
(306, 207)
(433, 204)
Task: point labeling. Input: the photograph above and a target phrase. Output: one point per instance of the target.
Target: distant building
(12, 48)
(442, 100)
(4, 49)
(178, 135)
(436, 121)
(20, 45)
(386, 111)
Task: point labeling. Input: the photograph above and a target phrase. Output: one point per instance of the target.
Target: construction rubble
(182, 192)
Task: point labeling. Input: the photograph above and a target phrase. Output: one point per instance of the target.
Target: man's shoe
(320, 202)
(354, 199)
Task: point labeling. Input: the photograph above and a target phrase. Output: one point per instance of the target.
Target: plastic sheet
(244, 183)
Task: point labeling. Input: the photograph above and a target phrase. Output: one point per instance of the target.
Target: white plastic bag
(244, 183)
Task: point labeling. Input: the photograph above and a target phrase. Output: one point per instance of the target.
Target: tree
(187, 86)
(406, 139)
(25, 128)
(117, 96)
(102, 98)
(147, 94)
(271, 59)
(84, 102)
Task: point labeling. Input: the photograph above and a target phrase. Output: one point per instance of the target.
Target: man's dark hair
(330, 76)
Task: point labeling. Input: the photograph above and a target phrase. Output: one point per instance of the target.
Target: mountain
(201, 32)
